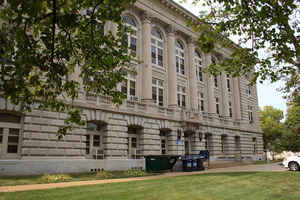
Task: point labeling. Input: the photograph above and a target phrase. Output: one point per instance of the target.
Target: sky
(268, 93)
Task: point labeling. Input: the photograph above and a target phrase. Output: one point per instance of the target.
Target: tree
(271, 25)
(272, 128)
(292, 120)
(42, 44)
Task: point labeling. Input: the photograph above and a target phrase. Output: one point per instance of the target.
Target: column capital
(191, 41)
(171, 29)
(146, 17)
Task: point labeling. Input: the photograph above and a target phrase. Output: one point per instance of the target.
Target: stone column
(147, 67)
(225, 106)
(210, 88)
(192, 74)
(172, 76)
(237, 99)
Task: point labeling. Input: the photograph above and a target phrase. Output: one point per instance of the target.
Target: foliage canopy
(44, 43)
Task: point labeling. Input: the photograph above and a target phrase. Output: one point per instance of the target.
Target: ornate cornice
(146, 17)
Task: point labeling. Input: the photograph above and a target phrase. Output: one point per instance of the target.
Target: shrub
(56, 177)
(135, 172)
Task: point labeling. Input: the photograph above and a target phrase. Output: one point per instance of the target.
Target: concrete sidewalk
(248, 168)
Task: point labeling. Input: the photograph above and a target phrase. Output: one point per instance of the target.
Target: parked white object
(292, 162)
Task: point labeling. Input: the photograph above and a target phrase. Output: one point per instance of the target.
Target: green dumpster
(156, 163)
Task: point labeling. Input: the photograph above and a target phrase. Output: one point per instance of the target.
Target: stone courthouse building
(172, 108)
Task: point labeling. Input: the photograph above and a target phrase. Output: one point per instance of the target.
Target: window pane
(124, 87)
(183, 100)
(96, 142)
(13, 139)
(12, 149)
(6, 117)
(178, 99)
(160, 57)
(133, 142)
(161, 96)
(153, 54)
(132, 88)
(154, 95)
(133, 44)
(160, 44)
(13, 131)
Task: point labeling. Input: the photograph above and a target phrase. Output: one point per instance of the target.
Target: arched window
(179, 53)
(10, 128)
(156, 47)
(198, 64)
(131, 40)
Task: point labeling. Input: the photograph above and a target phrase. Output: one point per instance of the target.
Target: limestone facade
(171, 108)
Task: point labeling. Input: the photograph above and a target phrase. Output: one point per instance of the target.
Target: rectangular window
(250, 114)
(96, 140)
(201, 101)
(128, 86)
(132, 88)
(13, 141)
(181, 96)
(158, 91)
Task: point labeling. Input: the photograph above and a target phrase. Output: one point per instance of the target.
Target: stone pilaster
(210, 88)
(237, 99)
(192, 74)
(147, 68)
(172, 82)
(225, 105)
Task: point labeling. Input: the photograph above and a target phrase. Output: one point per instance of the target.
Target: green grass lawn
(221, 186)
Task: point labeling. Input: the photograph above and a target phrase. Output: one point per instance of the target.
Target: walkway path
(247, 168)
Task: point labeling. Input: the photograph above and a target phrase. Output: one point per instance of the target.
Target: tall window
(250, 114)
(228, 82)
(156, 47)
(10, 128)
(128, 86)
(179, 57)
(181, 96)
(217, 106)
(200, 101)
(223, 143)
(94, 138)
(163, 142)
(158, 91)
(254, 145)
(230, 109)
(198, 63)
(131, 39)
